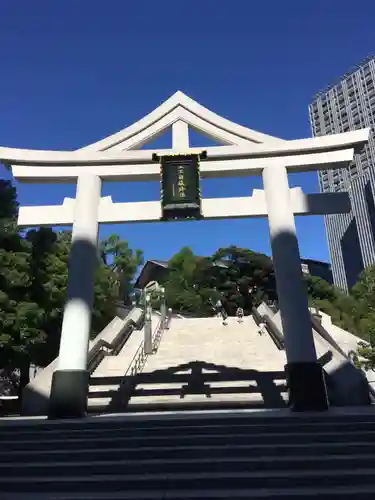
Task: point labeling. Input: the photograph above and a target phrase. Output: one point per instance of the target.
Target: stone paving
(203, 361)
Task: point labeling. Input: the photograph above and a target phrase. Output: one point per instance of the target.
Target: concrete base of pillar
(69, 392)
(307, 387)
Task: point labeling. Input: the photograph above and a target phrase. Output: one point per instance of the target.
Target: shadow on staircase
(194, 385)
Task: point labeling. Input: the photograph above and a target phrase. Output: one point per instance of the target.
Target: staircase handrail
(274, 332)
(140, 356)
(319, 328)
(138, 361)
(98, 351)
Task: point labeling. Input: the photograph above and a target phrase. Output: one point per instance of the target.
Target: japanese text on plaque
(181, 182)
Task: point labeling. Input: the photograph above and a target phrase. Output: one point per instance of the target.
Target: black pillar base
(69, 392)
(307, 387)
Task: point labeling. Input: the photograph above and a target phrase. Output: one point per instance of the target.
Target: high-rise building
(349, 105)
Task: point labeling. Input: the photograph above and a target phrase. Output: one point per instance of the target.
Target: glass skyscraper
(349, 105)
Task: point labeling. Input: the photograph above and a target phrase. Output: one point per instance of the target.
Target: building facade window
(349, 105)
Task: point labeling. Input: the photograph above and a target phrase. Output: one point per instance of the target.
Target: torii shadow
(197, 378)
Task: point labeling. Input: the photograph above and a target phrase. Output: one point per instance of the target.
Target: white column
(148, 325)
(180, 136)
(76, 324)
(169, 318)
(292, 293)
(163, 308)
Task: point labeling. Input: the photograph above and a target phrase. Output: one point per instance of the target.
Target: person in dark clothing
(224, 315)
(239, 314)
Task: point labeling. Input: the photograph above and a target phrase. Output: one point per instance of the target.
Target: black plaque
(180, 187)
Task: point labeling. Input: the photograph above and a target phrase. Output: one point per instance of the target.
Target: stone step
(200, 361)
(366, 492)
(208, 439)
(272, 417)
(197, 464)
(116, 428)
(203, 401)
(228, 455)
(106, 379)
(162, 452)
(187, 481)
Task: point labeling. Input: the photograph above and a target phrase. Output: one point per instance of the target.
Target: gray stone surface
(114, 368)
(195, 351)
(348, 386)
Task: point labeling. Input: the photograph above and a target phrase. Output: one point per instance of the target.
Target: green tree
(20, 316)
(105, 298)
(364, 290)
(319, 289)
(33, 283)
(364, 293)
(180, 287)
(50, 260)
(124, 262)
(49, 265)
(245, 279)
(239, 277)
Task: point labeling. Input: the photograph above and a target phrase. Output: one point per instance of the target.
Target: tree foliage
(33, 284)
(236, 276)
(181, 287)
(123, 262)
(20, 315)
(364, 293)
(242, 278)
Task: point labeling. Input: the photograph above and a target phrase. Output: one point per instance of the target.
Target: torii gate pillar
(305, 377)
(70, 381)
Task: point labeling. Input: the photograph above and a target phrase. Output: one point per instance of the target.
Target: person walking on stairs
(239, 314)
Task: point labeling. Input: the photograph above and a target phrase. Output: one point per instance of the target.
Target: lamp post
(148, 325)
(163, 308)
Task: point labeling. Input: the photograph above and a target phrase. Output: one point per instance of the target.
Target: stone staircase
(201, 363)
(347, 385)
(108, 380)
(211, 455)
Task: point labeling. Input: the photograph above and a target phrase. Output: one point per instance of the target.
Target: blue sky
(73, 72)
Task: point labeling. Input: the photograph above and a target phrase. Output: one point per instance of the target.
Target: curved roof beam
(224, 123)
(212, 131)
(148, 134)
(179, 99)
(180, 113)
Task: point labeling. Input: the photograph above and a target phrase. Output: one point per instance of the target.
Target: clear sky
(75, 71)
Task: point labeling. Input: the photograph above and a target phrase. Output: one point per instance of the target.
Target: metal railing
(140, 357)
(138, 362)
(103, 348)
(278, 338)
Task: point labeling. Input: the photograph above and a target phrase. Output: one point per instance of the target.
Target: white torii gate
(244, 152)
